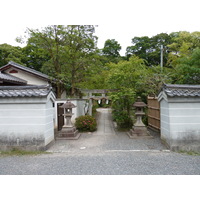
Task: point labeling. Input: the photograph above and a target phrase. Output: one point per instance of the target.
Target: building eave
(26, 69)
(24, 91)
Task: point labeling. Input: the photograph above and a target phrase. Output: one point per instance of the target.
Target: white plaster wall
(22, 118)
(180, 122)
(50, 120)
(185, 120)
(30, 78)
(165, 120)
(26, 119)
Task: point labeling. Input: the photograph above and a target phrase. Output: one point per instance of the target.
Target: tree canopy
(149, 48)
(69, 52)
(188, 68)
(69, 55)
(111, 50)
(9, 52)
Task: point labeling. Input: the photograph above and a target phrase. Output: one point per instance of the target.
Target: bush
(86, 123)
(122, 119)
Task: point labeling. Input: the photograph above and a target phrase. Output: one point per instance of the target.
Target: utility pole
(161, 57)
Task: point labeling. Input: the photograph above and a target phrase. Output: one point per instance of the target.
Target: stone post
(68, 130)
(139, 130)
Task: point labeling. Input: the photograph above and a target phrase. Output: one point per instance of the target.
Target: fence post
(153, 113)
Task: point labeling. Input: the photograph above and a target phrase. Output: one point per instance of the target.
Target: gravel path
(107, 163)
(107, 138)
(104, 152)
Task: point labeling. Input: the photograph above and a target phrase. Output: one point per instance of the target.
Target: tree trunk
(73, 88)
(73, 80)
(59, 91)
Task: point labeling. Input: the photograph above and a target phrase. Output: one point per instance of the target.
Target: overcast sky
(119, 20)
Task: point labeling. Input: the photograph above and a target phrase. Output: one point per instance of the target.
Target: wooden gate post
(153, 113)
(60, 112)
(90, 104)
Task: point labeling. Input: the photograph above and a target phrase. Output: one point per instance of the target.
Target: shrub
(86, 123)
(123, 119)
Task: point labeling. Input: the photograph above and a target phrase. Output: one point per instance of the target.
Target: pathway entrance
(107, 139)
(105, 124)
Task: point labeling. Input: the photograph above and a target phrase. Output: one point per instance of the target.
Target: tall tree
(183, 43)
(81, 53)
(187, 70)
(10, 53)
(154, 53)
(111, 50)
(139, 48)
(34, 56)
(71, 50)
(148, 48)
(125, 76)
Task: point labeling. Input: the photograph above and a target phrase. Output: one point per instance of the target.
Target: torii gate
(90, 96)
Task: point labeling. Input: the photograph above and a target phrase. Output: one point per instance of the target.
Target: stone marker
(139, 130)
(68, 130)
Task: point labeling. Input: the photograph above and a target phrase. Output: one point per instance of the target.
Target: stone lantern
(68, 130)
(139, 130)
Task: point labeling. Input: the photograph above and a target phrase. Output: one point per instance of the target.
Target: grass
(192, 153)
(17, 152)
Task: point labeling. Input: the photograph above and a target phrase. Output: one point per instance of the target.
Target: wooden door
(60, 112)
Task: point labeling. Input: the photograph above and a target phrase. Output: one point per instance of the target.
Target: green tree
(71, 50)
(82, 57)
(183, 43)
(111, 50)
(149, 48)
(139, 48)
(153, 80)
(155, 50)
(125, 76)
(10, 53)
(34, 56)
(187, 70)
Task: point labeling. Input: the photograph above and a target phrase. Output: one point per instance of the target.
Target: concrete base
(25, 147)
(139, 132)
(184, 145)
(68, 133)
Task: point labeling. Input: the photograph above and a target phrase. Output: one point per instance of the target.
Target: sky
(119, 20)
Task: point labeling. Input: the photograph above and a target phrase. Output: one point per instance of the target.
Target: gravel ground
(104, 152)
(104, 163)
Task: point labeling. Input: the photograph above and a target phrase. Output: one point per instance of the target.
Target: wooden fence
(153, 113)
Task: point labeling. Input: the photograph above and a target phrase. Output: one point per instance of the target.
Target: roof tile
(10, 78)
(182, 90)
(24, 91)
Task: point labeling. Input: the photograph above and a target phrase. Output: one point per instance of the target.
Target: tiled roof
(27, 69)
(12, 79)
(24, 91)
(182, 90)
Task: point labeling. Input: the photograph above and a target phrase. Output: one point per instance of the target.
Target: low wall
(26, 123)
(180, 123)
